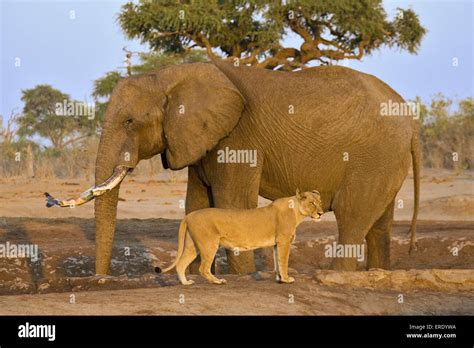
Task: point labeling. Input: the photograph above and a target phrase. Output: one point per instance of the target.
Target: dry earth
(435, 280)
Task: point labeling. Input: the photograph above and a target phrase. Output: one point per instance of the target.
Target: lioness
(243, 229)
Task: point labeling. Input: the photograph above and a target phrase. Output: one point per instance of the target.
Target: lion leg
(275, 263)
(198, 196)
(207, 258)
(189, 254)
(283, 254)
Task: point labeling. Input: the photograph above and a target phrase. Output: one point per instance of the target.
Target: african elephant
(319, 128)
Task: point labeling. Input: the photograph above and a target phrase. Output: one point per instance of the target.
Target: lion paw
(188, 282)
(288, 280)
(220, 281)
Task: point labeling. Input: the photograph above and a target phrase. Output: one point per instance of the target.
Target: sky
(70, 43)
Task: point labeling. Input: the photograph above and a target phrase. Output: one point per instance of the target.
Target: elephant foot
(378, 263)
(344, 264)
(241, 264)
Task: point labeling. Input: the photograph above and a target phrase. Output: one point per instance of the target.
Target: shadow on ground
(66, 260)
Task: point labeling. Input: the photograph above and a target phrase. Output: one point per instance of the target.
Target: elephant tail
(183, 227)
(416, 158)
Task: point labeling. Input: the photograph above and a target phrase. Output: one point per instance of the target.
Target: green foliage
(445, 132)
(254, 30)
(152, 60)
(407, 31)
(102, 90)
(104, 86)
(40, 117)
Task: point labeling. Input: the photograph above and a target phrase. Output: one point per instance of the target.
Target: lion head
(309, 203)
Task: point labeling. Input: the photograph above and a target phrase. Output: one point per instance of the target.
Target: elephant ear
(202, 107)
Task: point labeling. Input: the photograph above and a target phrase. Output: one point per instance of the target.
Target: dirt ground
(437, 279)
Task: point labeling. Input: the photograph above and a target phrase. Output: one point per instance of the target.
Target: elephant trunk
(95, 191)
(105, 207)
(105, 220)
(108, 176)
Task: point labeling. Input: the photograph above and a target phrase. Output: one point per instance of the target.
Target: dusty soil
(444, 196)
(242, 296)
(437, 279)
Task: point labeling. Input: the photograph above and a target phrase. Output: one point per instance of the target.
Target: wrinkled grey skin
(320, 128)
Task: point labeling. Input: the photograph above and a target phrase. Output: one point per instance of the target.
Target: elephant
(319, 129)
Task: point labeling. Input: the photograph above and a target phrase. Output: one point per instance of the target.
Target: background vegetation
(38, 142)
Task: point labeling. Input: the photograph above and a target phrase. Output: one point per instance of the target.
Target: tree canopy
(253, 30)
(447, 135)
(40, 117)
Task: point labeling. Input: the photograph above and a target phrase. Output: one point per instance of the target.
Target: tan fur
(241, 230)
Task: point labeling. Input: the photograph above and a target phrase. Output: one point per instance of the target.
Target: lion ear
(298, 194)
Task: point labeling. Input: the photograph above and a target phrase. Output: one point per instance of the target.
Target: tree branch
(202, 41)
(298, 29)
(74, 140)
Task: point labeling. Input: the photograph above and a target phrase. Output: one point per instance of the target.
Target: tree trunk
(30, 160)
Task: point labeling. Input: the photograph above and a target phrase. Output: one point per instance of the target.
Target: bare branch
(74, 140)
(202, 41)
(298, 29)
(166, 34)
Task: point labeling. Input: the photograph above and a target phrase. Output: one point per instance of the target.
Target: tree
(14, 148)
(104, 86)
(447, 137)
(152, 60)
(8, 133)
(253, 30)
(41, 117)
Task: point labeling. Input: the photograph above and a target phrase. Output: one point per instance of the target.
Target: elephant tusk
(95, 191)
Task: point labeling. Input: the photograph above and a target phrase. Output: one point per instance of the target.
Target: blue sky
(70, 53)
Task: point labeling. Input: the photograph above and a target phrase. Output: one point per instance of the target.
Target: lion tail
(181, 238)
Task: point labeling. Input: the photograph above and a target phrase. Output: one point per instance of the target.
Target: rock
(432, 279)
(43, 287)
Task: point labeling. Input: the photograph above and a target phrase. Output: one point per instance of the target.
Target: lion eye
(128, 122)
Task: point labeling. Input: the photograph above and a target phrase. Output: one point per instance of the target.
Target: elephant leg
(378, 240)
(241, 263)
(198, 196)
(357, 206)
(240, 193)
